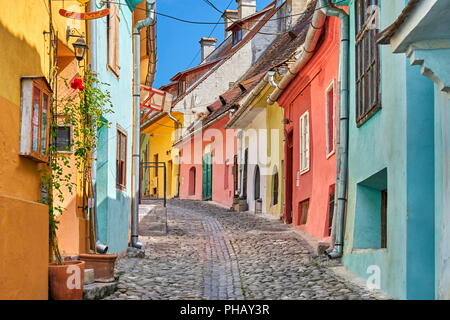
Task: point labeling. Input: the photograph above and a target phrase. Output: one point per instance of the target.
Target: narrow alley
(211, 253)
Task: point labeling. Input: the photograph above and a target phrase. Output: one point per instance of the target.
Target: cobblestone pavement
(211, 253)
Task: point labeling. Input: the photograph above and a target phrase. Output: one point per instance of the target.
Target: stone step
(98, 290)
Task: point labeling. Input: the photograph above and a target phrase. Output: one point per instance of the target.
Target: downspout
(169, 113)
(307, 50)
(99, 246)
(342, 140)
(150, 8)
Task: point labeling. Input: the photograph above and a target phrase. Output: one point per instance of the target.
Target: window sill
(330, 154)
(121, 188)
(366, 251)
(114, 72)
(304, 171)
(364, 118)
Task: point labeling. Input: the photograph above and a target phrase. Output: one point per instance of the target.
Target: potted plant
(83, 111)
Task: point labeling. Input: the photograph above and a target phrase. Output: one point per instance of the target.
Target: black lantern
(80, 48)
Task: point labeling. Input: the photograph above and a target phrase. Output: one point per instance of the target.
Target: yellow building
(29, 35)
(160, 133)
(261, 127)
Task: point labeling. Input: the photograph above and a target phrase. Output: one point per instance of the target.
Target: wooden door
(207, 177)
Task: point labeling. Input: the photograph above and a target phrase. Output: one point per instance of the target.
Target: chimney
(208, 45)
(229, 16)
(246, 8)
(294, 9)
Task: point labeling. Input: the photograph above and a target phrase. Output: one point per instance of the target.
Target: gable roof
(230, 50)
(281, 51)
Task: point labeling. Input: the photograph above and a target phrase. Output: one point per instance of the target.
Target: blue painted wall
(113, 204)
(397, 140)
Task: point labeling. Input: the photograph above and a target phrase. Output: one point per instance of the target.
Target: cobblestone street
(210, 253)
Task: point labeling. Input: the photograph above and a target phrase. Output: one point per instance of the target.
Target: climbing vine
(83, 110)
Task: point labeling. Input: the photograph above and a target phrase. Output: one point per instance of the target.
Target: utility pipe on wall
(342, 143)
(306, 53)
(150, 8)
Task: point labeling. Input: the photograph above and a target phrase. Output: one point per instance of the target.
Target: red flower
(77, 84)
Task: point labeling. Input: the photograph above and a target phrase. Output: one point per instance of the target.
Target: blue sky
(177, 41)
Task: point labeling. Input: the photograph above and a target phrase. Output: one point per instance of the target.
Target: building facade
(422, 32)
(389, 219)
(310, 117)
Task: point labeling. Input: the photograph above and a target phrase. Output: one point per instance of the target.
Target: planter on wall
(103, 265)
(66, 281)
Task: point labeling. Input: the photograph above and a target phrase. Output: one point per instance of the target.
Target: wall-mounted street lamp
(80, 47)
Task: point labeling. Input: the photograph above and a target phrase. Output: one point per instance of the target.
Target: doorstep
(317, 247)
(98, 290)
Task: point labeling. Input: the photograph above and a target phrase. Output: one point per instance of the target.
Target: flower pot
(103, 265)
(66, 281)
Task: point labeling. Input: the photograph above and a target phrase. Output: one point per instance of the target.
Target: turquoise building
(422, 33)
(112, 59)
(390, 218)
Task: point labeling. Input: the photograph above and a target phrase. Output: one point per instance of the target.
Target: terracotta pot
(66, 281)
(103, 265)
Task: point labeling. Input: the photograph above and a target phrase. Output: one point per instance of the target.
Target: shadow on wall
(114, 222)
(21, 59)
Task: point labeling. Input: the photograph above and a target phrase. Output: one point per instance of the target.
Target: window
(113, 21)
(181, 87)
(63, 139)
(371, 214)
(330, 120)
(275, 185)
(35, 118)
(121, 159)
(237, 36)
(367, 60)
(304, 142)
(304, 208)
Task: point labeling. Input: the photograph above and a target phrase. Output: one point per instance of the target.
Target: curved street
(214, 254)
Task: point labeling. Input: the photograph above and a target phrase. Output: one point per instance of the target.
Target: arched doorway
(192, 182)
(257, 183)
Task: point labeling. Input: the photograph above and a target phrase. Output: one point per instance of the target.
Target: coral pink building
(310, 104)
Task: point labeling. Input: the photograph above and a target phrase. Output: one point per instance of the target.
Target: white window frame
(71, 139)
(304, 142)
(327, 146)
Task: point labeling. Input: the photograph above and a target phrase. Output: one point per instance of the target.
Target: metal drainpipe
(342, 144)
(150, 8)
(178, 167)
(99, 246)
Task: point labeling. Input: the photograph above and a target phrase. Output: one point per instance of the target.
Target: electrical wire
(216, 23)
(210, 34)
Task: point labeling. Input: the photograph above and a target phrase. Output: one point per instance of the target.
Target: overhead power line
(216, 23)
(210, 34)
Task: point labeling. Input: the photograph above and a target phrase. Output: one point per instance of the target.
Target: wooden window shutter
(306, 141)
(113, 38)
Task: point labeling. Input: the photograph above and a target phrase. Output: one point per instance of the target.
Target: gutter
(248, 99)
(306, 53)
(342, 138)
(150, 20)
(92, 207)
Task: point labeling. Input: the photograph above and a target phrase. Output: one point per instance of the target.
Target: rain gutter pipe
(336, 251)
(150, 8)
(99, 246)
(306, 52)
